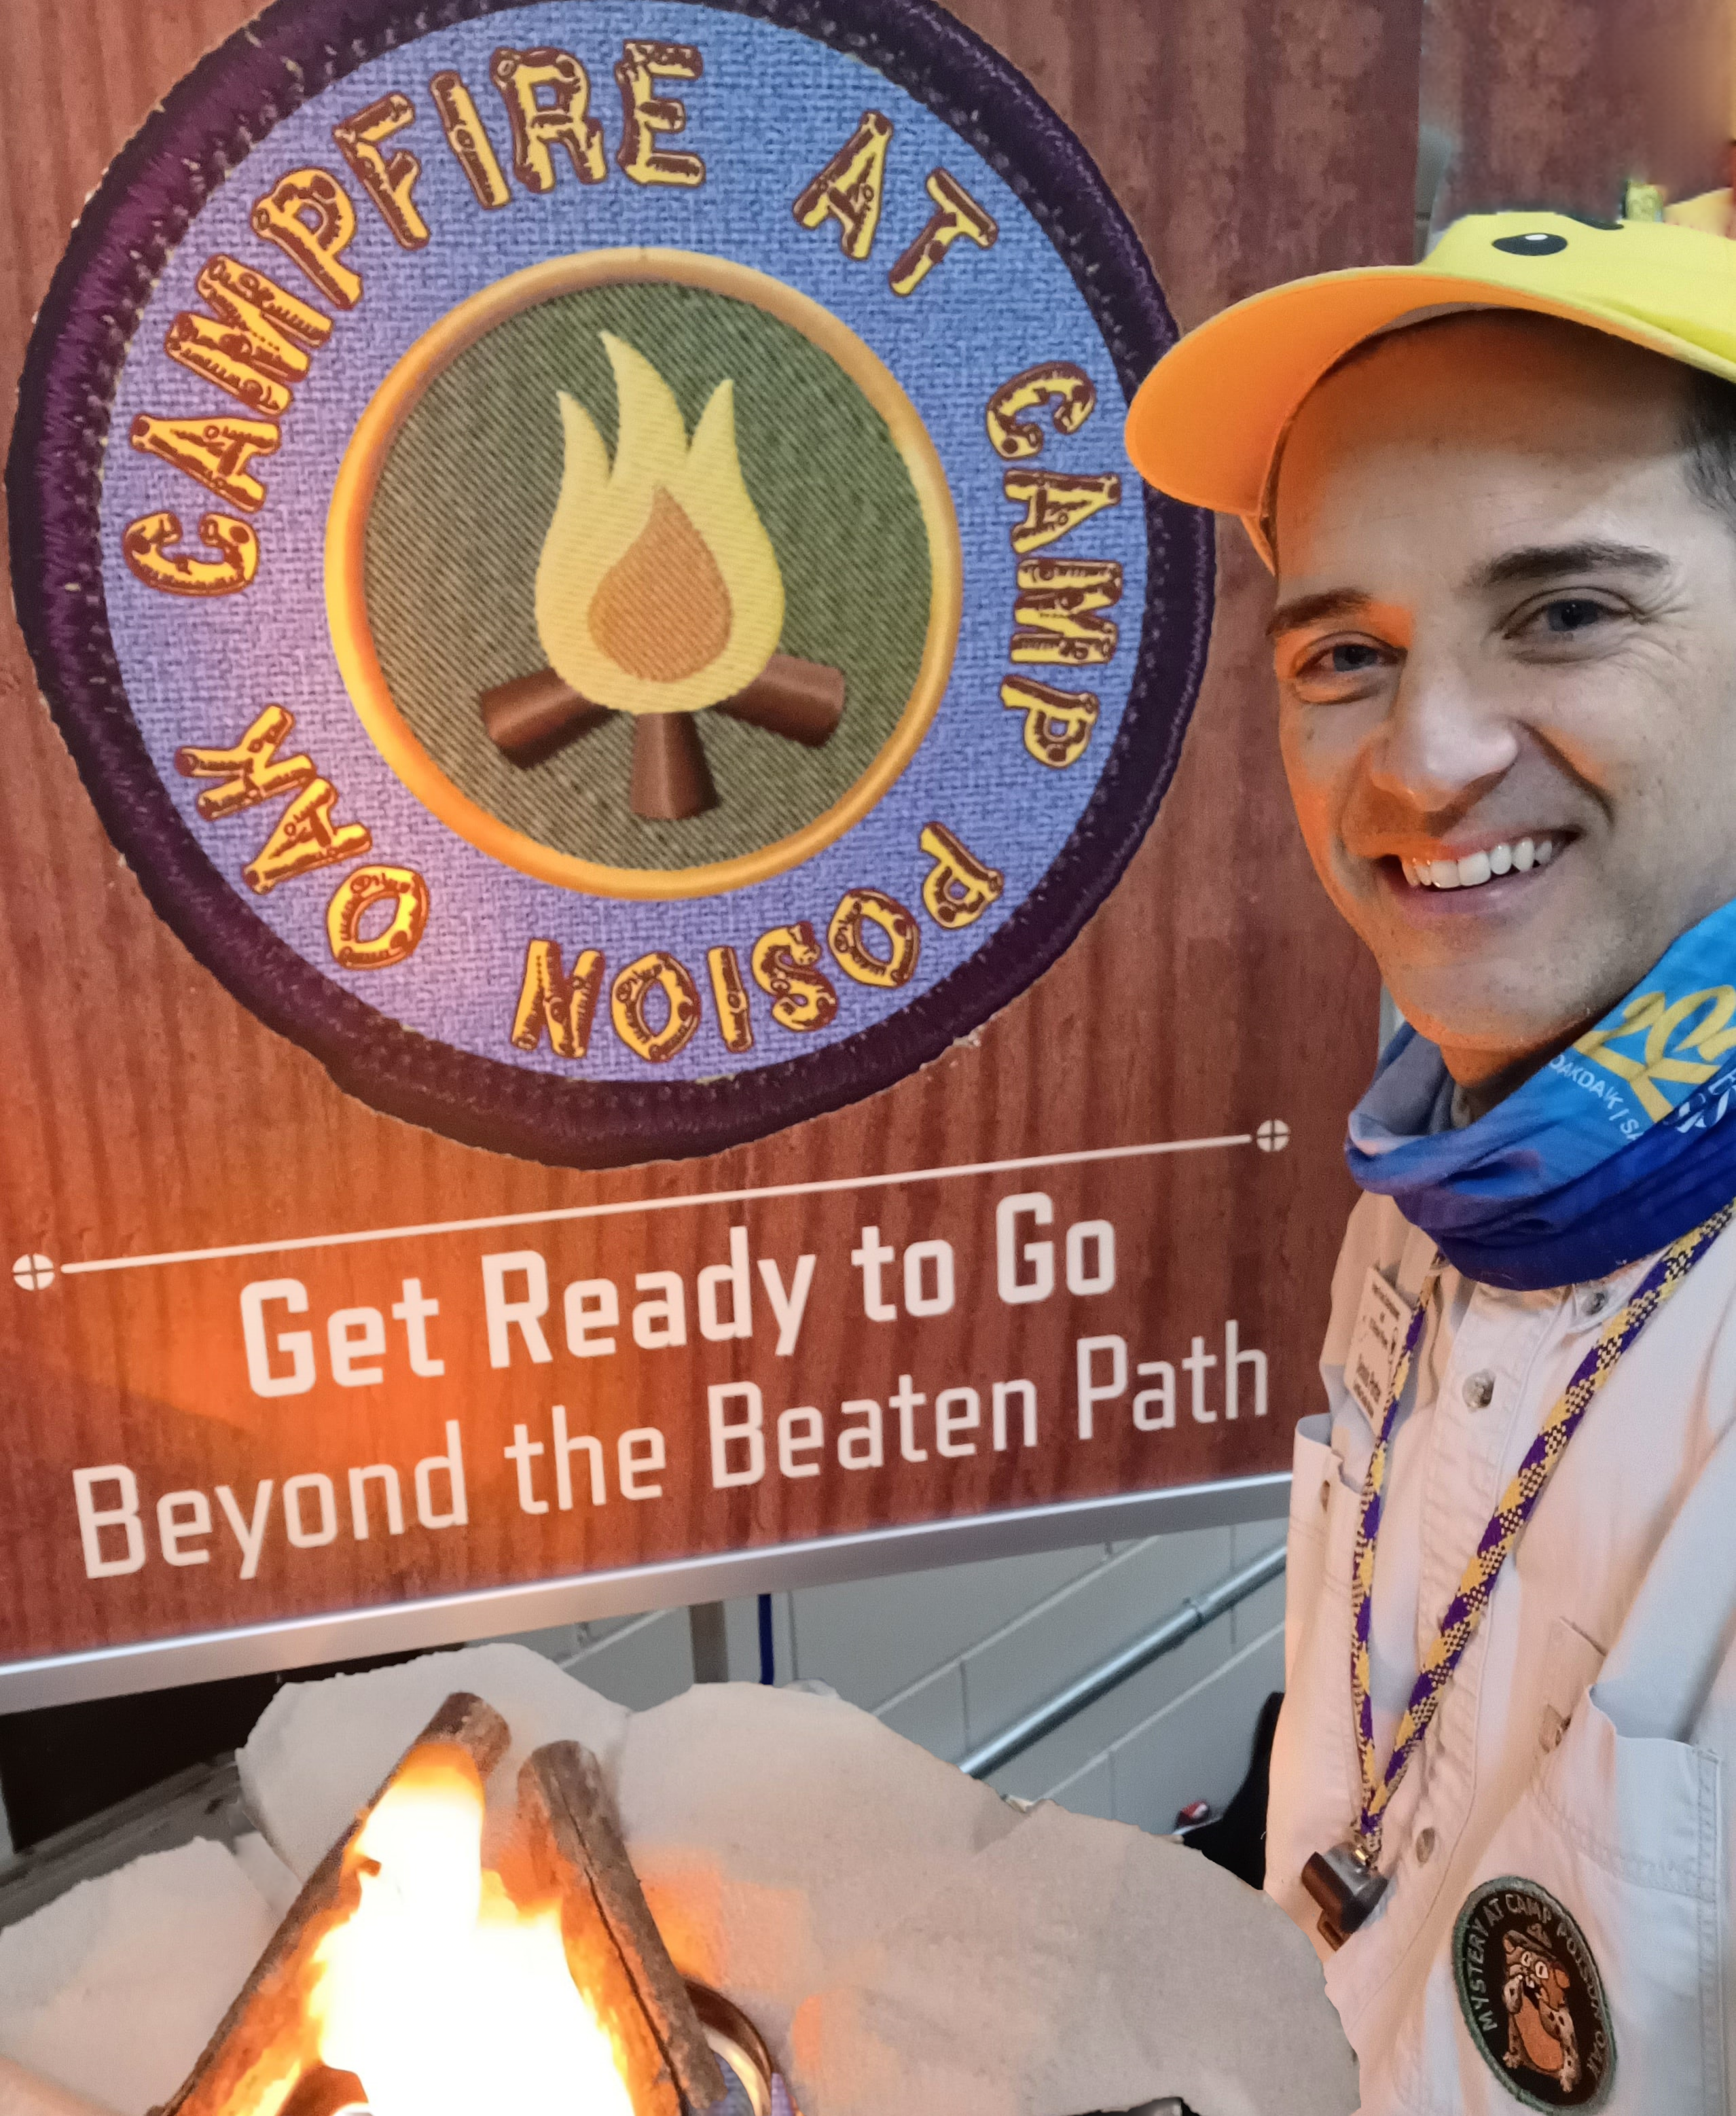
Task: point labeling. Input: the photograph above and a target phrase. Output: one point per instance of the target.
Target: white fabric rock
(320, 1749)
(23, 2094)
(1077, 1964)
(113, 1990)
(775, 1833)
(268, 1873)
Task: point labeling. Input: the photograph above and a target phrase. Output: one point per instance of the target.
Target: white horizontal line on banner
(658, 1205)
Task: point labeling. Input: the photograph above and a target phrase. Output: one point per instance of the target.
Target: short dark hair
(1708, 428)
(1708, 441)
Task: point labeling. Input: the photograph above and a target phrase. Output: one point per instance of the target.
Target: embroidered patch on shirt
(1382, 1319)
(1531, 1996)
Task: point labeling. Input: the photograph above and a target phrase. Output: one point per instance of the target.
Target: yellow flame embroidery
(658, 589)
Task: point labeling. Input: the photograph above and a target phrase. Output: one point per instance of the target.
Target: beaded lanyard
(1518, 1502)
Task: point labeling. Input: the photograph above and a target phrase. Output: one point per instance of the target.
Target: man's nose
(1446, 739)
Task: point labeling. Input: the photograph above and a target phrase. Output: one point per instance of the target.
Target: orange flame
(440, 1993)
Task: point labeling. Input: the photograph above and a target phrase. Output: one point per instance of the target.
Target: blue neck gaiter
(1617, 1146)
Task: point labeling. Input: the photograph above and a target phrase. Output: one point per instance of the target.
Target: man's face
(1506, 654)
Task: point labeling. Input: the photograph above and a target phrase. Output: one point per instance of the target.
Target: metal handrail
(1194, 1615)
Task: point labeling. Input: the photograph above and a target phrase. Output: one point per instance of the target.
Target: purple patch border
(144, 207)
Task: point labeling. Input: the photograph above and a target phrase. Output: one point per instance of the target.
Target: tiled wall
(951, 1658)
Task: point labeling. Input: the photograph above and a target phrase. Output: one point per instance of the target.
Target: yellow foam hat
(1208, 421)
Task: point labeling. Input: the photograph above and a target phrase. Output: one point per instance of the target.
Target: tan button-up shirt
(1586, 1743)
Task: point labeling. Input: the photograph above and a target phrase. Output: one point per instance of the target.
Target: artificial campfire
(407, 1978)
(658, 594)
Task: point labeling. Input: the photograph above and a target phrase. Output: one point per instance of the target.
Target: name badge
(1382, 1319)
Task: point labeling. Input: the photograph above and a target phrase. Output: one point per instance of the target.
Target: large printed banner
(584, 554)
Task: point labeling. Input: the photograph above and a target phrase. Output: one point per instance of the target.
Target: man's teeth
(1475, 868)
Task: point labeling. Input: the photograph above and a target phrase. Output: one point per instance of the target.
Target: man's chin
(1490, 1023)
(1499, 975)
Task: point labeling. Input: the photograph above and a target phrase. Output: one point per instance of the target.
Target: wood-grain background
(1251, 140)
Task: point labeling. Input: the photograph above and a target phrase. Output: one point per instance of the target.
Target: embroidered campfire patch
(586, 556)
(1531, 1997)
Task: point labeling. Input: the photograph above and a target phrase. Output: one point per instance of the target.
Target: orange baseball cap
(1208, 422)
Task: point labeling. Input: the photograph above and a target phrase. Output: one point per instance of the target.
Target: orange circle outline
(358, 480)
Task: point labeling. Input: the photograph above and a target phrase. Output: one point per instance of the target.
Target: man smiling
(1498, 492)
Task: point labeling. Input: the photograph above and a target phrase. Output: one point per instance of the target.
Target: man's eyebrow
(1316, 610)
(1535, 562)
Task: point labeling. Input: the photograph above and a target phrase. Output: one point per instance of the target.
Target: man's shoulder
(1377, 1233)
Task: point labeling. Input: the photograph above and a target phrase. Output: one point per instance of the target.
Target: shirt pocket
(1313, 1472)
(1571, 1664)
(1322, 1534)
(1624, 1834)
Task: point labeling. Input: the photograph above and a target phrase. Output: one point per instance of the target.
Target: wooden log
(671, 778)
(618, 1958)
(802, 701)
(266, 2037)
(533, 716)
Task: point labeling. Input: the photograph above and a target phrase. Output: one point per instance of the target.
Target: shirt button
(1480, 1391)
(1425, 1847)
(1595, 1300)
(1326, 1494)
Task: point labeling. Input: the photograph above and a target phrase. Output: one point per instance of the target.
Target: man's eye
(1334, 669)
(1573, 613)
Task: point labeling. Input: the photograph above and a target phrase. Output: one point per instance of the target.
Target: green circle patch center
(465, 500)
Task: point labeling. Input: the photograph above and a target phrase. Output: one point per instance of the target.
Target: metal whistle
(1344, 1884)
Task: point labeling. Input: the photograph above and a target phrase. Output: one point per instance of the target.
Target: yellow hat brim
(1206, 424)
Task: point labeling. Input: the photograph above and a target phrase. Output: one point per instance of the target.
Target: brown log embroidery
(531, 718)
